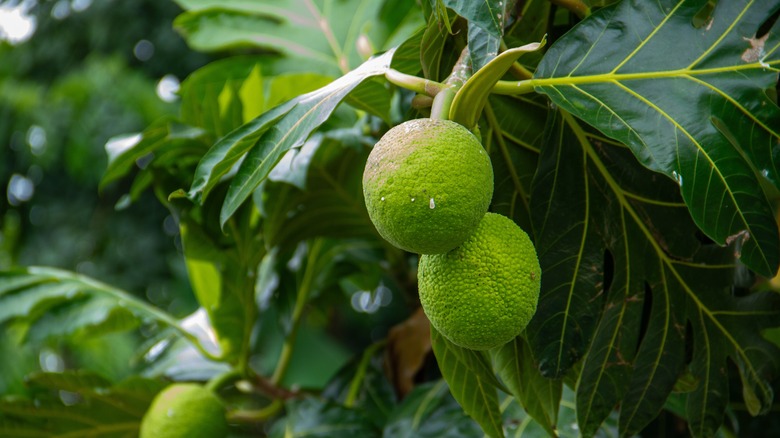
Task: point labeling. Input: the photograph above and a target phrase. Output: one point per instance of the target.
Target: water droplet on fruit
(171, 412)
(432, 204)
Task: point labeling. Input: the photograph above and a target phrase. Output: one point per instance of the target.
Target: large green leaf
(222, 286)
(539, 396)
(335, 35)
(471, 382)
(225, 94)
(91, 406)
(625, 279)
(429, 411)
(312, 417)
(488, 15)
(698, 112)
(513, 133)
(264, 140)
(164, 138)
(73, 303)
(49, 302)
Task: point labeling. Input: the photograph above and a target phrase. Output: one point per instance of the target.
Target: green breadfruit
(427, 183)
(185, 410)
(483, 293)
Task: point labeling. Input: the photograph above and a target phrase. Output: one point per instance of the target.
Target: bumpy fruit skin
(427, 183)
(185, 410)
(483, 293)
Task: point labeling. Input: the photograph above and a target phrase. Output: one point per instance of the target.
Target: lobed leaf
(635, 265)
(699, 114)
(513, 133)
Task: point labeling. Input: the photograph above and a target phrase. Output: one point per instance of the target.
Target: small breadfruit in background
(185, 410)
(427, 183)
(483, 293)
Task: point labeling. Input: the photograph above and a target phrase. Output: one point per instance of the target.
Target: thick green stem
(442, 103)
(360, 374)
(223, 379)
(422, 101)
(300, 303)
(513, 88)
(414, 83)
(247, 293)
(461, 72)
(255, 416)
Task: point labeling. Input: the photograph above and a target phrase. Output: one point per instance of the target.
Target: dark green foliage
(634, 141)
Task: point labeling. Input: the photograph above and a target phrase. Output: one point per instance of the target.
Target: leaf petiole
(513, 88)
(413, 83)
(442, 103)
(251, 416)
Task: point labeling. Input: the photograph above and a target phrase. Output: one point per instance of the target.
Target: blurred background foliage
(88, 72)
(82, 73)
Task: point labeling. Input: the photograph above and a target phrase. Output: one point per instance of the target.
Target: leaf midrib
(582, 138)
(663, 74)
(728, 189)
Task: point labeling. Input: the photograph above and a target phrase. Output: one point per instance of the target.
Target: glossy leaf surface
(621, 285)
(698, 113)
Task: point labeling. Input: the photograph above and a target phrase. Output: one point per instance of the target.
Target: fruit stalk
(442, 102)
